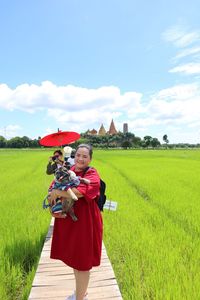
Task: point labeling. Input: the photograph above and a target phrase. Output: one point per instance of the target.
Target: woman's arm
(51, 168)
(77, 193)
(90, 191)
(58, 193)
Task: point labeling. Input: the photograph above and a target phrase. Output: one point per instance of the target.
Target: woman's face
(82, 159)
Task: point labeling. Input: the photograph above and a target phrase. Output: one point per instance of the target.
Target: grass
(23, 223)
(152, 239)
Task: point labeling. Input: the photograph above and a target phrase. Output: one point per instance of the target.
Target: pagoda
(92, 132)
(112, 129)
(102, 130)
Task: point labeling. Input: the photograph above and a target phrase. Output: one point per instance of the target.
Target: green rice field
(152, 239)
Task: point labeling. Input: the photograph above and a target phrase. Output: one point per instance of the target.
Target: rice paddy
(152, 239)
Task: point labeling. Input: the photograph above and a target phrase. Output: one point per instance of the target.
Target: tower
(125, 128)
(112, 129)
(102, 130)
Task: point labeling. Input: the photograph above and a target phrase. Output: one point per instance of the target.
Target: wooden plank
(55, 280)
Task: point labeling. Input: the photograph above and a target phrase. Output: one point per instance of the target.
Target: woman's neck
(78, 169)
(81, 169)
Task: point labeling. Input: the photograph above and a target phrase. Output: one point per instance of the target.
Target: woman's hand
(52, 197)
(50, 159)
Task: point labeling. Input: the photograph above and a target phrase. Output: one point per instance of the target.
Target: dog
(64, 180)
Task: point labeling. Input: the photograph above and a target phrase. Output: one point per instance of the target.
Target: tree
(26, 141)
(15, 142)
(125, 140)
(165, 139)
(2, 142)
(126, 144)
(147, 140)
(155, 143)
(137, 141)
(34, 143)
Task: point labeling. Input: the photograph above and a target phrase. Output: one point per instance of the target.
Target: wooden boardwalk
(54, 280)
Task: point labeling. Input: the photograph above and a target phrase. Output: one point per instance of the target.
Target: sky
(77, 64)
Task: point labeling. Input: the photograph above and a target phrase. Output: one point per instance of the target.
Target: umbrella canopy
(59, 138)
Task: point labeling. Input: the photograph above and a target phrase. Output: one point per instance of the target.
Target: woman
(78, 244)
(55, 162)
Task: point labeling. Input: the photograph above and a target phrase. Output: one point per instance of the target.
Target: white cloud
(69, 105)
(178, 135)
(10, 131)
(84, 119)
(187, 39)
(176, 105)
(79, 109)
(31, 98)
(174, 111)
(190, 68)
(181, 92)
(180, 36)
(142, 124)
(187, 52)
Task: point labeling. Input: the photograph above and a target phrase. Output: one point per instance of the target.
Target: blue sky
(77, 64)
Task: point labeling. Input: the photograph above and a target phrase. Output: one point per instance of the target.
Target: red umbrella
(59, 138)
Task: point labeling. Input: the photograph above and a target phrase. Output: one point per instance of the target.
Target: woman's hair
(87, 146)
(58, 151)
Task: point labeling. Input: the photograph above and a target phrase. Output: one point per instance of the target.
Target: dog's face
(62, 175)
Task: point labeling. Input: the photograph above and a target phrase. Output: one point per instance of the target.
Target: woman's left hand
(52, 197)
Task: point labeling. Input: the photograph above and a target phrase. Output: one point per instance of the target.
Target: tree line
(19, 142)
(121, 140)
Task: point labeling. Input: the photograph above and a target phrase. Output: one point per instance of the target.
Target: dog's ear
(66, 165)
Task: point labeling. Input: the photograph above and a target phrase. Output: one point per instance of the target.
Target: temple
(112, 129)
(102, 131)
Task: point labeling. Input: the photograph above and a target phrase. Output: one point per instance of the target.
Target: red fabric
(59, 138)
(78, 244)
(51, 185)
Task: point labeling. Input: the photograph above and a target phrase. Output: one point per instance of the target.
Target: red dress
(78, 244)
